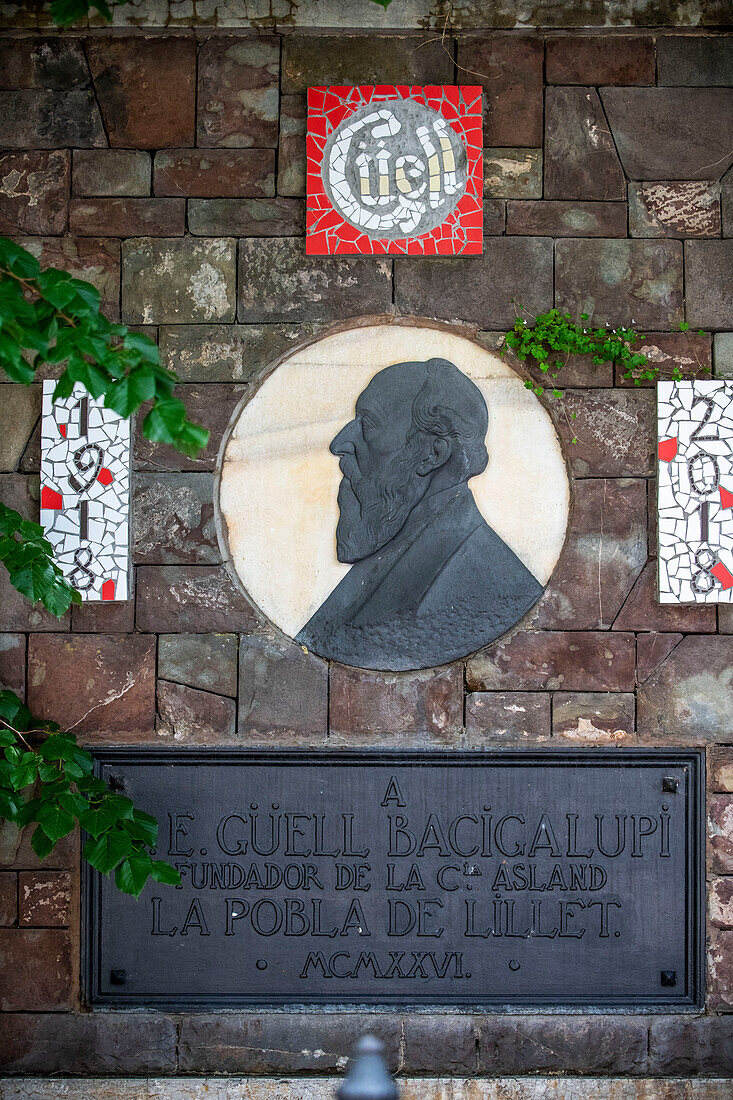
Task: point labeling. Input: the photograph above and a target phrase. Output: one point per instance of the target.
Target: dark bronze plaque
(568, 879)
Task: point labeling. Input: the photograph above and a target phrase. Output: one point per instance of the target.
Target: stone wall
(169, 170)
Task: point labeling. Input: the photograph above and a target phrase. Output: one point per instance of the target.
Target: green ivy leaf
(41, 843)
(55, 820)
(132, 874)
(163, 872)
(107, 850)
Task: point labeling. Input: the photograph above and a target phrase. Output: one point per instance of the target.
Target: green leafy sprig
(66, 12)
(28, 557)
(57, 775)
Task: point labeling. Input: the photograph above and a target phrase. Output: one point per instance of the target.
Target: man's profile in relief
(429, 581)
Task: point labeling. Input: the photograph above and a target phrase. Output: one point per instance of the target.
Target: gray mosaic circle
(395, 169)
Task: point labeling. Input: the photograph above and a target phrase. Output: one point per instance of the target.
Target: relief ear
(437, 451)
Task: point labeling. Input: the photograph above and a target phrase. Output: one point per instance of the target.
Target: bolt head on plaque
(393, 497)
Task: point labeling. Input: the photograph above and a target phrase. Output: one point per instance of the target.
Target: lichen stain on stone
(209, 288)
(586, 731)
(705, 698)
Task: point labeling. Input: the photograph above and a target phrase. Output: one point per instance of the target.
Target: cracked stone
(642, 610)
(581, 161)
(691, 1046)
(205, 661)
(686, 352)
(651, 650)
(192, 717)
(173, 520)
(614, 431)
(88, 1043)
(689, 699)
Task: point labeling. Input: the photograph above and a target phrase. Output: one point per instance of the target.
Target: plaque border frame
(692, 1001)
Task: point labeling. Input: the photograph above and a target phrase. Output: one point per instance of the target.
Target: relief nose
(342, 443)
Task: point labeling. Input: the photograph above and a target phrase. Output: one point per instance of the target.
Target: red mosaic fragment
(51, 499)
(667, 449)
(104, 477)
(108, 590)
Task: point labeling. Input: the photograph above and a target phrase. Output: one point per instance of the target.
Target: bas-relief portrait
(396, 499)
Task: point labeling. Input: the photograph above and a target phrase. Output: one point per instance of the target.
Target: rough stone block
(687, 59)
(578, 371)
(509, 68)
(87, 1043)
(18, 614)
(642, 610)
(276, 217)
(191, 717)
(615, 431)
(726, 203)
(20, 410)
(709, 283)
(45, 118)
(691, 1046)
(283, 692)
(211, 406)
(621, 282)
(17, 852)
(567, 219)
(674, 209)
(720, 769)
(581, 161)
(440, 1044)
(114, 217)
(725, 619)
(575, 1044)
(8, 898)
(45, 899)
(600, 59)
(173, 520)
(195, 598)
(34, 192)
(720, 834)
(277, 282)
(103, 685)
(479, 289)
(35, 969)
(214, 173)
(689, 699)
(310, 60)
(507, 717)
(238, 92)
(720, 902)
(555, 660)
(35, 62)
(513, 173)
(226, 353)
(12, 662)
(95, 261)
(110, 172)
(494, 217)
(720, 970)
(103, 618)
(146, 89)
(593, 718)
(291, 167)
(364, 705)
(723, 354)
(686, 352)
(168, 280)
(205, 661)
(671, 133)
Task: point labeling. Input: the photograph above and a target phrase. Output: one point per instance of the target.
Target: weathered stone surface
(205, 661)
(691, 1046)
(110, 172)
(709, 283)
(600, 59)
(723, 354)
(509, 68)
(191, 717)
(720, 970)
(169, 280)
(581, 161)
(83, 1043)
(621, 282)
(674, 209)
(20, 409)
(173, 520)
(277, 282)
(479, 289)
(238, 92)
(615, 431)
(720, 769)
(692, 60)
(12, 662)
(209, 405)
(35, 969)
(421, 705)
(720, 902)
(593, 718)
(567, 219)
(17, 613)
(726, 203)
(16, 850)
(690, 697)
(32, 62)
(354, 59)
(8, 899)
(114, 217)
(720, 834)
(291, 166)
(45, 899)
(146, 89)
(34, 192)
(671, 133)
(603, 555)
(276, 217)
(212, 173)
(494, 217)
(439, 1044)
(686, 352)
(555, 660)
(642, 610)
(507, 717)
(42, 118)
(103, 618)
(226, 353)
(577, 370)
(102, 684)
(516, 1044)
(95, 261)
(725, 618)
(276, 1042)
(283, 692)
(513, 173)
(195, 598)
